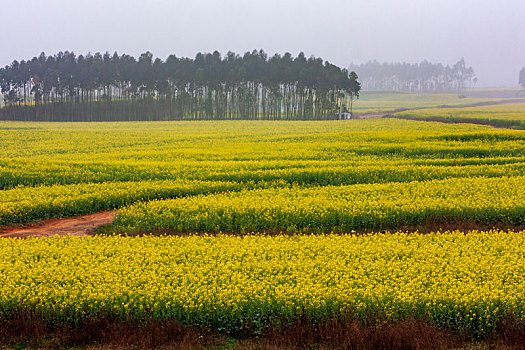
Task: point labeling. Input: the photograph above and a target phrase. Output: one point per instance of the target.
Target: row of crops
(219, 206)
(26, 204)
(385, 102)
(335, 208)
(369, 174)
(325, 178)
(16, 173)
(507, 115)
(242, 285)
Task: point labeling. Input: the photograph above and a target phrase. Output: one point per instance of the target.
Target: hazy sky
(489, 34)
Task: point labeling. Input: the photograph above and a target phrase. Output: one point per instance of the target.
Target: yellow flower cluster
(508, 115)
(244, 176)
(60, 169)
(385, 101)
(466, 282)
(354, 170)
(336, 208)
(27, 204)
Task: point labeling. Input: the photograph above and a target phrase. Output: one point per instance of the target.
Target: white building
(344, 115)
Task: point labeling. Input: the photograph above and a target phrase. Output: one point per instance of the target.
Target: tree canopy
(522, 77)
(415, 77)
(108, 86)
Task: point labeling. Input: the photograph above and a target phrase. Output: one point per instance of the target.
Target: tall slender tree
(424, 77)
(93, 87)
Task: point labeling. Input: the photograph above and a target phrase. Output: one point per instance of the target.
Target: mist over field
(488, 34)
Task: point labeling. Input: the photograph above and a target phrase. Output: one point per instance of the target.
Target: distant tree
(354, 89)
(522, 77)
(415, 77)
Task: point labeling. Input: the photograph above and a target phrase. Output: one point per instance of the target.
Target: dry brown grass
(108, 333)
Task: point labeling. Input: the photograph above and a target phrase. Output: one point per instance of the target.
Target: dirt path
(75, 226)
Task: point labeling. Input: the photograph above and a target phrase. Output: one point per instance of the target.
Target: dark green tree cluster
(424, 77)
(522, 77)
(66, 87)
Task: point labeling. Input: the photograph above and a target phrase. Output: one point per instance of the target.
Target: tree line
(67, 87)
(424, 77)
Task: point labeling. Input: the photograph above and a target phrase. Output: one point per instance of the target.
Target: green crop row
(28, 204)
(466, 283)
(335, 208)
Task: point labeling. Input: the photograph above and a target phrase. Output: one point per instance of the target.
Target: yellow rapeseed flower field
(506, 115)
(336, 208)
(214, 177)
(59, 169)
(227, 283)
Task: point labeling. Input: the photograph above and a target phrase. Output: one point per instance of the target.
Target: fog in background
(490, 35)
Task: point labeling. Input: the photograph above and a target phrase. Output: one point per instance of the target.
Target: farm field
(314, 175)
(58, 170)
(270, 223)
(372, 102)
(509, 115)
(245, 285)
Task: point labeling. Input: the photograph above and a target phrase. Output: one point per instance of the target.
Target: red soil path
(75, 226)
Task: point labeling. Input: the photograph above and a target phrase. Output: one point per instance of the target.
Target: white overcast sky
(490, 35)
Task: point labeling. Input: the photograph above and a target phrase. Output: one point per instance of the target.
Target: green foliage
(60, 169)
(99, 87)
(335, 208)
(510, 115)
(243, 285)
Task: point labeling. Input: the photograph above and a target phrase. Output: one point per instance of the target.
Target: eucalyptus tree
(108, 86)
(420, 77)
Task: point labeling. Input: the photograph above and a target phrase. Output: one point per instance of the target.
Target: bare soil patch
(74, 226)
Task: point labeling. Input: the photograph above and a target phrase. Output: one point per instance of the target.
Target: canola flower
(335, 208)
(382, 102)
(361, 169)
(465, 282)
(246, 176)
(27, 204)
(507, 115)
(60, 169)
